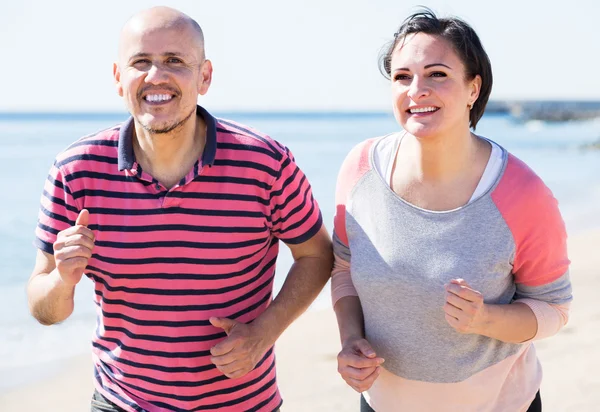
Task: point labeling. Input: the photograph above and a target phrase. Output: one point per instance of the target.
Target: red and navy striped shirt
(165, 261)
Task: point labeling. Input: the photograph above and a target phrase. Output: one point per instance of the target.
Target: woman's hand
(464, 307)
(358, 364)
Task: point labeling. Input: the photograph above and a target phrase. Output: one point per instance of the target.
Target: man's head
(161, 68)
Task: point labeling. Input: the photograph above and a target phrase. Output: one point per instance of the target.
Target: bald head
(158, 19)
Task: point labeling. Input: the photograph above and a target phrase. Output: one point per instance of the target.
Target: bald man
(176, 217)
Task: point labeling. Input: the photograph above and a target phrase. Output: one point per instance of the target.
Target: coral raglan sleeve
(541, 264)
(354, 167)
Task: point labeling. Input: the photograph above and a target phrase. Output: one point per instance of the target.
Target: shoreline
(307, 367)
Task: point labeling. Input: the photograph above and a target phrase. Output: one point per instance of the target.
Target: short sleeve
(58, 210)
(295, 215)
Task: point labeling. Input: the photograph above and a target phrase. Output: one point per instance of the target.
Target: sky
(271, 55)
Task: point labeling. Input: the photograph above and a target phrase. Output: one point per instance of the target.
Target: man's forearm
(50, 300)
(306, 278)
(512, 323)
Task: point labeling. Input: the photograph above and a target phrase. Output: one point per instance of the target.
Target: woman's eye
(400, 77)
(438, 74)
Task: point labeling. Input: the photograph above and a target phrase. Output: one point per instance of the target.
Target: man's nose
(156, 74)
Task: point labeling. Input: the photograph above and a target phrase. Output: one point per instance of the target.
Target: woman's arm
(358, 363)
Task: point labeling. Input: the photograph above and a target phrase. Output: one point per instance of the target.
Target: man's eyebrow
(166, 54)
(137, 55)
(426, 67)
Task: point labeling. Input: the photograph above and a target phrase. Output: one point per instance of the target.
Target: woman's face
(431, 95)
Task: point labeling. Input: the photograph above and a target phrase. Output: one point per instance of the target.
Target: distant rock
(554, 111)
(592, 146)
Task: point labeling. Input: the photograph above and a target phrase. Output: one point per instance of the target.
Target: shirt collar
(125, 148)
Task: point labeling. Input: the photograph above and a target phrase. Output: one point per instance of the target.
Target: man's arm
(308, 275)
(247, 343)
(51, 287)
(50, 299)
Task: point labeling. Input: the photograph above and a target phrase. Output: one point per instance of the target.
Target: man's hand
(73, 248)
(239, 353)
(464, 308)
(358, 364)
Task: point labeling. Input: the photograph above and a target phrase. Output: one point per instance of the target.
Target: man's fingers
(76, 230)
(237, 373)
(223, 347)
(227, 345)
(72, 264)
(233, 369)
(224, 323)
(223, 360)
(83, 218)
(71, 252)
(230, 367)
(75, 240)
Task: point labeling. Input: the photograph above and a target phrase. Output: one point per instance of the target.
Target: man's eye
(141, 61)
(174, 60)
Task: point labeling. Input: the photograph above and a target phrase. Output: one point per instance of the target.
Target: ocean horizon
(520, 109)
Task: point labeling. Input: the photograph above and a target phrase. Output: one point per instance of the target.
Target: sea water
(319, 142)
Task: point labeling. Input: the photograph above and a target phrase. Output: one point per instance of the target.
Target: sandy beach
(306, 356)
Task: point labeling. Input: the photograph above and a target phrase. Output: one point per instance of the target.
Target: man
(176, 216)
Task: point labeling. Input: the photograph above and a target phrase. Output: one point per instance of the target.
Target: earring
(470, 106)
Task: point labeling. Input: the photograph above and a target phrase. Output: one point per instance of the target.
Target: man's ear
(117, 77)
(205, 77)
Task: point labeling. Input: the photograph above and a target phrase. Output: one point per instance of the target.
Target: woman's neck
(439, 159)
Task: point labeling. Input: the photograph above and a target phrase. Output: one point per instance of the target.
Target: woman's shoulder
(357, 164)
(360, 154)
(522, 176)
(520, 190)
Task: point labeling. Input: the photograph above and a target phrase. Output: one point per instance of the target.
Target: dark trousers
(101, 404)
(536, 405)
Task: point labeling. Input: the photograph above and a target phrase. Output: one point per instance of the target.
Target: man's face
(160, 73)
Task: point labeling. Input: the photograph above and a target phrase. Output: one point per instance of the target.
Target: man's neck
(168, 157)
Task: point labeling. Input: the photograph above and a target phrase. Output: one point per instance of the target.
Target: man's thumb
(223, 323)
(84, 218)
(365, 348)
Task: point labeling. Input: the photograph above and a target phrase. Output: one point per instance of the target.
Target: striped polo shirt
(166, 260)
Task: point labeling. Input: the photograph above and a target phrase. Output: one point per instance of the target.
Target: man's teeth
(423, 110)
(158, 97)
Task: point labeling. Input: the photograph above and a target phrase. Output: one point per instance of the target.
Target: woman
(450, 252)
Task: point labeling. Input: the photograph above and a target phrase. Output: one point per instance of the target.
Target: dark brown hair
(463, 39)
